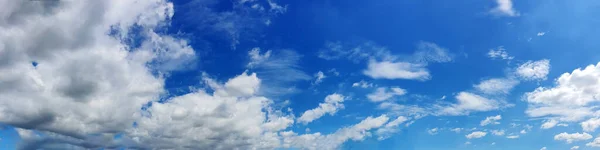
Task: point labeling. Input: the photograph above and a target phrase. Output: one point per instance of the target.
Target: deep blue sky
(562, 33)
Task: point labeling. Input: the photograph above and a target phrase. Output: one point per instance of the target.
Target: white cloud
(457, 130)
(541, 33)
(332, 104)
(319, 77)
(595, 143)
(81, 70)
(590, 125)
(504, 8)
(549, 124)
(384, 93)
(570, 138)
(523, 132)
(491, 120)
(498, 132)
(543, 148)
(469, 102)
(500, 53)
(433, 131)
(534, 70)
(362, 84)
(332, 141)
(476, 135)
(390, 128)
(512, 136)
(571, 97)
(574, 147)
(496, 86)
(396, 70)
(278, 68)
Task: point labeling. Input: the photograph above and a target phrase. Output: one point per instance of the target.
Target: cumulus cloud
(433, 131)
(78, 63)
(543, 148)
(332, 104)
(595, 143)
(499, 53)
(384, 93)
(491, 120)
(504, 8)
(534, 70)
(574, 147)
(476, 135)
(590, 125)
(570, 138)
(496, 86)
(389, 128)
(469, 102)
(571, 97)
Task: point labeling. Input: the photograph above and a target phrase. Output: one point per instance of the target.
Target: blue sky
(316, 74)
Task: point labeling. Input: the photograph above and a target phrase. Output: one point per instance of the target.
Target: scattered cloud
(396, 70)
(549, 124)
(332, 104)
(457, 130)
(491, 120)
(543, 148)
(362, 84)
(279, 69)
(575, 148)
(319, 76)
(534, 70)
(499, 53)
(433, 131)
(476, 135)
(512, 136)
(469, 102)
(570, 138)
(504, 8)
(595, 143)
(571, 97)
(498, 132)
(541, 33)
(590, 125)
(385, 93)
(496, 86)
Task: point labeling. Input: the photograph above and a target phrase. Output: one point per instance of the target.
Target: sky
(313, 74)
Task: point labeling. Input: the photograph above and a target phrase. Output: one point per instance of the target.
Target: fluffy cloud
(590, 125)
(396, 70)
(225, 119)
(549, 124)
(574, 147)
(433, 131)
(469, 102)
(496, 86)
(476, 135)
(504, 8)
(543, 148)
(331, 105)
(78, 63)
(500, 53)
(570, 138)
(595, 143)
(534, 70)
(491, 120)
(570, 99)
(384, 93)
